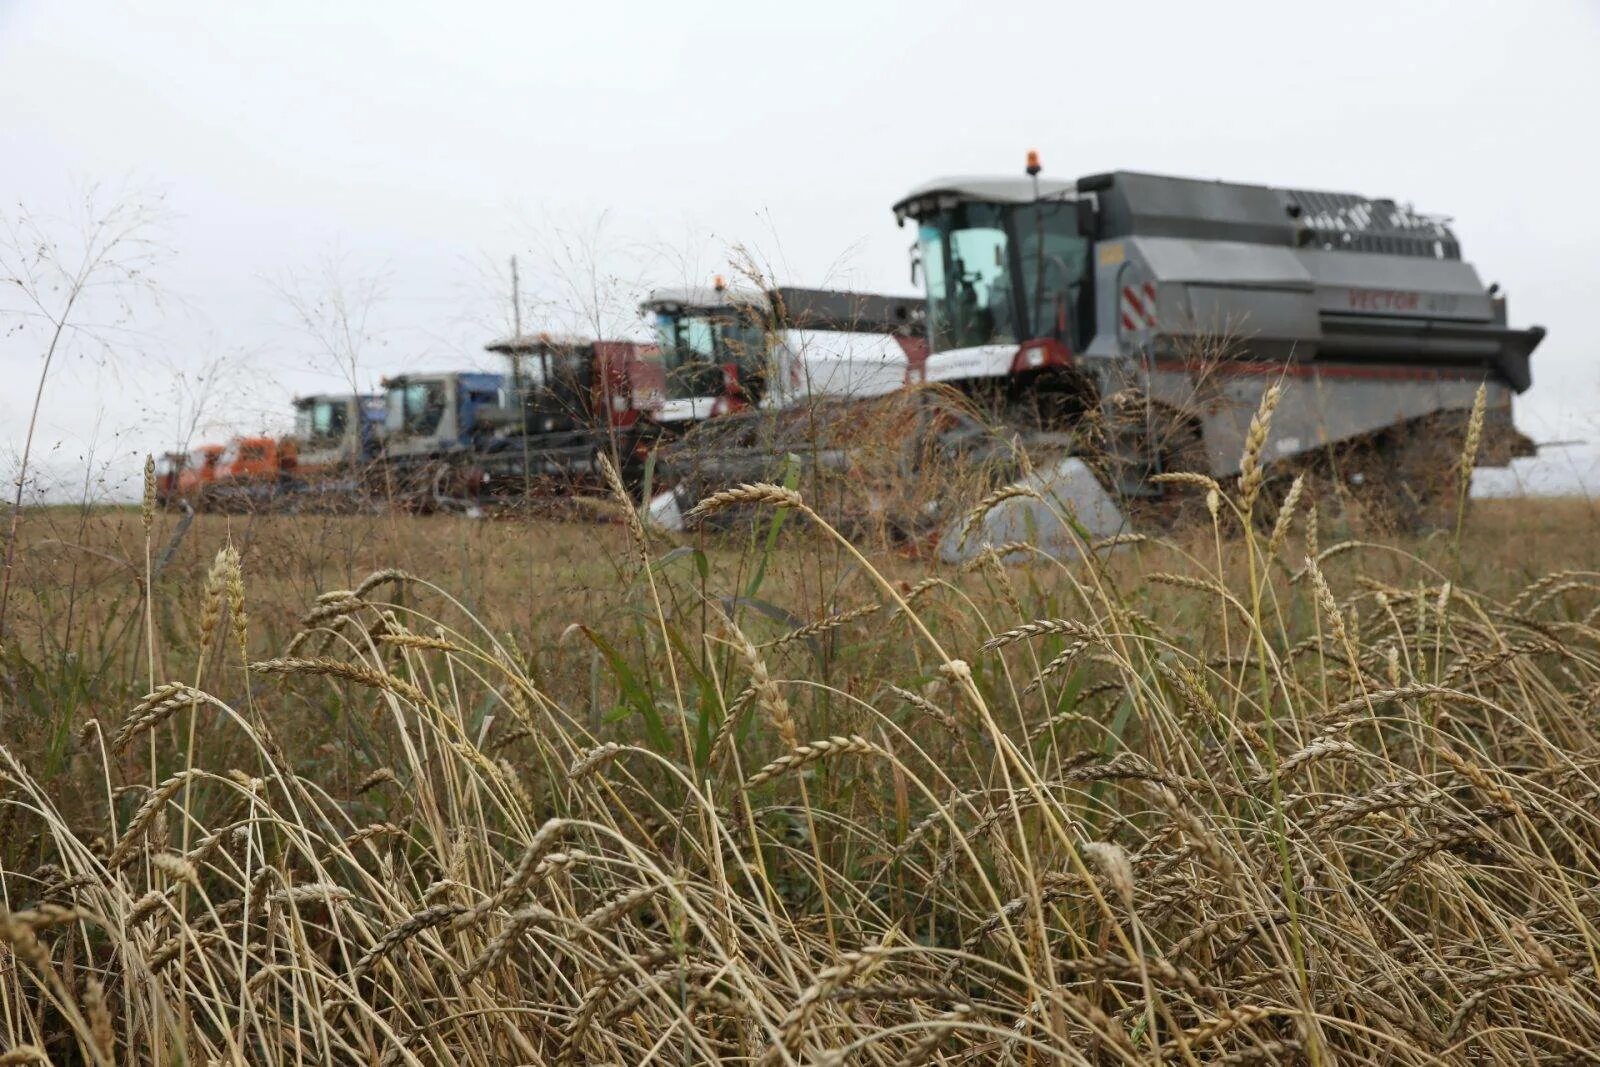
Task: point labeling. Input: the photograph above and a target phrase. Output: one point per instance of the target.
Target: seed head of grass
(759, 493)
(147, 511)
(1252, 470)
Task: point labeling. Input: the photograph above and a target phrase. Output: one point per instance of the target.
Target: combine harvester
(319, 465)
(252, 474)
(433, 424)
(1144, 316)
(464, 439)
(335, 438)
(569, 399)
(246, 474)
(181, 477)
(757, 373)
(335, 434)
(1109, 329)
(726, 350)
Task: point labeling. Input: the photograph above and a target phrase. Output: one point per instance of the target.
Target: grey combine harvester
(1139, 318)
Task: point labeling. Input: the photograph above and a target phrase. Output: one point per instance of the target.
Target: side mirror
(916, 265)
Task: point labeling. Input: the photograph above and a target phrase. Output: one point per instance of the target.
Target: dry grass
(1316, 801)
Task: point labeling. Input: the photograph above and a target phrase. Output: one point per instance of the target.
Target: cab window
(423, 405)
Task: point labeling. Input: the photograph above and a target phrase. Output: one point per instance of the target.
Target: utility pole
(516, 301)
(516, 327)
(517, 390)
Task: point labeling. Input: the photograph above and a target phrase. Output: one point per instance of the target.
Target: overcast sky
(401, 151)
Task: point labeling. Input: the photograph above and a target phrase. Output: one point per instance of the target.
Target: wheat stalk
(822, 626)
(1036, 628)
(759, 493)
(1190, 478)
(336, 668)
(995, 499)
(810, 753)
(1280, 526)
(1251, 470)
(636, 530)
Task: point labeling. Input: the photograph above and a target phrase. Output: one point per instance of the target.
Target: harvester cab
(566, 399)
(336, 432)
(169, 470)
(198, 470)
(1007, 274)
(1170, 304)
(570, 384)
(427, 416)
(713, 345)
(727, 350)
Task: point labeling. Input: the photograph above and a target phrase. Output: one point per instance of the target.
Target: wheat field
(390, 789)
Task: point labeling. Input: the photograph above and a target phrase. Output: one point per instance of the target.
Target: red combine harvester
(565, 400)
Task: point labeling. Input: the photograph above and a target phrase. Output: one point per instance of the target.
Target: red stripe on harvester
(1311, 370)
(1132, 300)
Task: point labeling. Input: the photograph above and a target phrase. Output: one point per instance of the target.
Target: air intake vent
(1349, 223)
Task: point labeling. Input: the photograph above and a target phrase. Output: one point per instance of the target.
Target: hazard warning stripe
(1139, 307)
(1133, 301)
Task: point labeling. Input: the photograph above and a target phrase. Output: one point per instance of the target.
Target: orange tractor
(245, 474)
(182, 477)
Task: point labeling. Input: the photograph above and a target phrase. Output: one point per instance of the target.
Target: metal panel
(1160, 206)
(1245, 315)
(834, 363)
(1221, 262)
(1321, 404)
(1228, 290)
(1407, 286)
(833, 309)
(1067, 488)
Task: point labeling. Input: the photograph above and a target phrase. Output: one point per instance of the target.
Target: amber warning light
(1033, 162)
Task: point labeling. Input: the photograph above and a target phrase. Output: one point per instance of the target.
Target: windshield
(528, 369)
(416, 407)
(694, 349)
(320, 420)
(555, 379)
(1002, 274)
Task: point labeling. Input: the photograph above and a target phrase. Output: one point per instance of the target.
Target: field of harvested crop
(393, 789)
